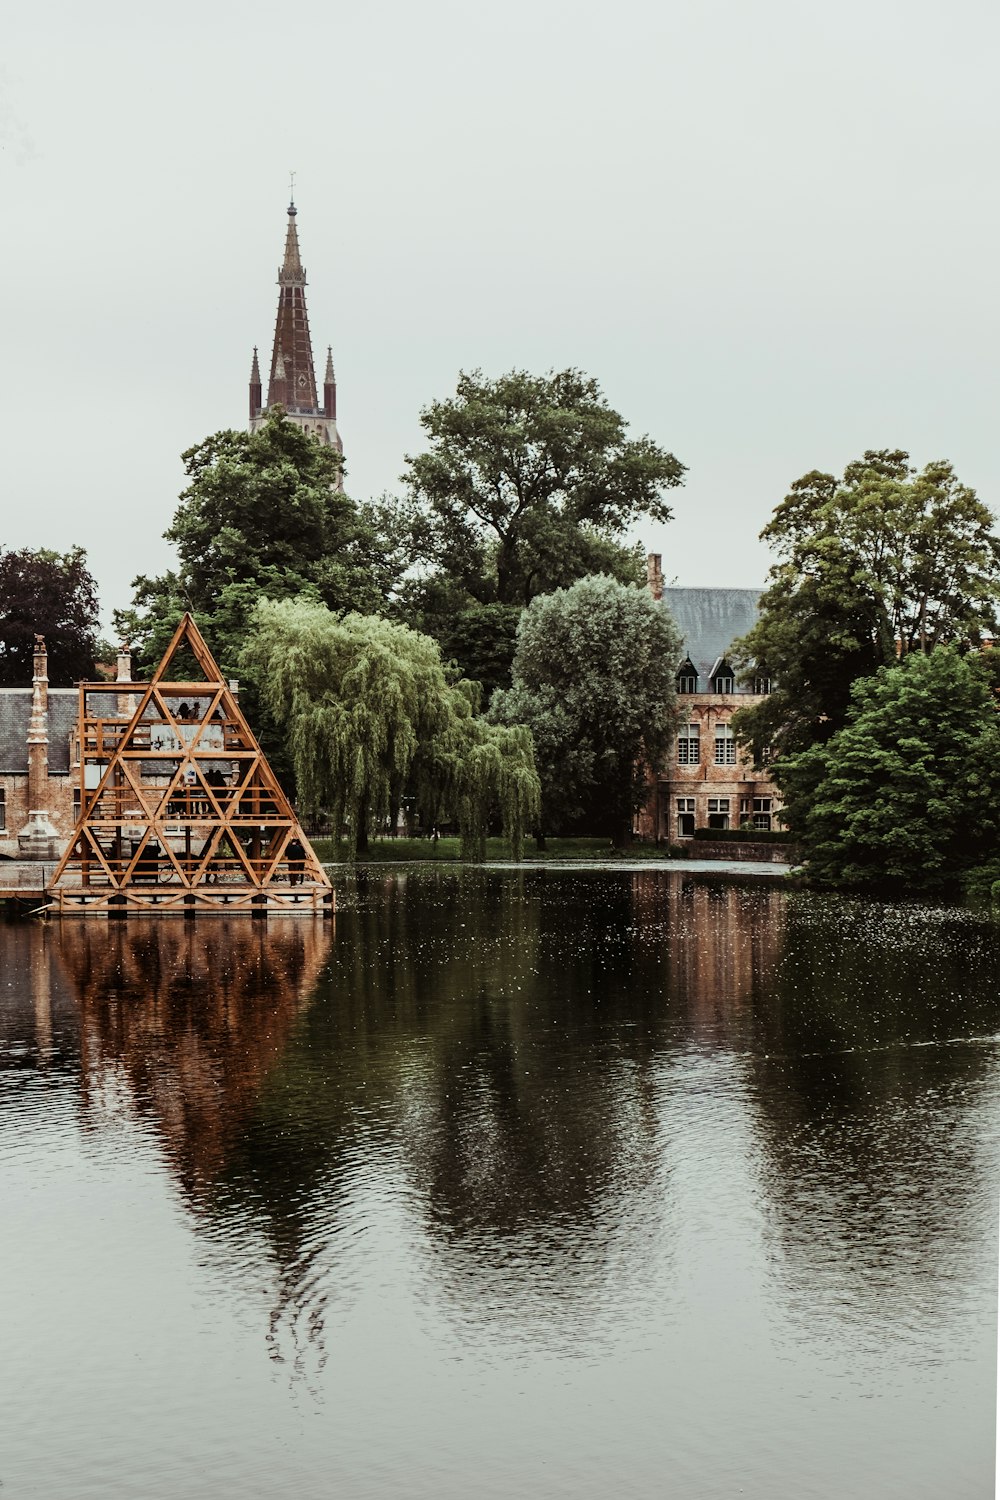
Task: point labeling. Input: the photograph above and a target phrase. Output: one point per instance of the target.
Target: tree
(261, 517)
(595, 682)
(529, 484)
(884, 562)
(370, 713)
(907, 793)
(52, 594)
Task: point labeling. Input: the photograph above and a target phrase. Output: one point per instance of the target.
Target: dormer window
(723, 677)
(687, 677)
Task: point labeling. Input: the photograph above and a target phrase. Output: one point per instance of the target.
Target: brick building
(708, 782)
(292, 382)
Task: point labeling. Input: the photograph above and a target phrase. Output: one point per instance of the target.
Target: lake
(548, 1183)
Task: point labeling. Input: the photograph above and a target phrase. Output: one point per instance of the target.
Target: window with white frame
(685, 817)
(718, 812)
(762, 813)
(725, 746)
(688, 745)
(3, 809)
(762, 685)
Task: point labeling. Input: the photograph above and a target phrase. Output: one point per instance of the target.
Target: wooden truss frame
(179, 810)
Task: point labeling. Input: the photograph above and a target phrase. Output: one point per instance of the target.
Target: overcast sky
(769, 230)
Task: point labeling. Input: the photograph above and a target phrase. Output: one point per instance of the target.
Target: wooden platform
(28, 885)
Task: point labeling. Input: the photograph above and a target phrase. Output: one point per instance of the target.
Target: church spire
(293, 375)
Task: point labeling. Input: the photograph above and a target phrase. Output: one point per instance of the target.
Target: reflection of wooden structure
(179, 810)
(183, 1025)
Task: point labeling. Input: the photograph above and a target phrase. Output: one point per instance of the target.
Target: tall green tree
(595, 682)
(881, 563)
(260, 517)
(529, 483)
(906, 794)
(52, 594)
(370, 714)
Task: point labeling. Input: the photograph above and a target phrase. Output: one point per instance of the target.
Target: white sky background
(769, 230)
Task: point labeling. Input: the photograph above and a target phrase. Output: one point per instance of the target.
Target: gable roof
(15, 712)
(709, 621)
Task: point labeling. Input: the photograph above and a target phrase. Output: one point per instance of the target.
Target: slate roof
(709, 621)
(15, 711)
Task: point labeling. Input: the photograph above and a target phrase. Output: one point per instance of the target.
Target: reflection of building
(292, 382)
(190, 1019)
(708, 782)
(722, 941)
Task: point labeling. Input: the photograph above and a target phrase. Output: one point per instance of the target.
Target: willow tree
(370, 714)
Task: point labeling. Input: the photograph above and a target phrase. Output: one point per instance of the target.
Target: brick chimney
(38, 839)
(654, 574)
(127, 701)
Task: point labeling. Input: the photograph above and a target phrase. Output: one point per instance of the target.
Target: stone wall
(786, 854)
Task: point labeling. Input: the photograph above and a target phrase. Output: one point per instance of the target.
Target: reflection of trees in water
(490, 1040)
(508, 1031)
(478, 1068)
(868, 1092)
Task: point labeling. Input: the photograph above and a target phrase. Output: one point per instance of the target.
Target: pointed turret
(292, 375)
(256, 394)
(330, 387)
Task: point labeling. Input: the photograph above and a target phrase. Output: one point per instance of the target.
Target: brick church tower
(292, 382)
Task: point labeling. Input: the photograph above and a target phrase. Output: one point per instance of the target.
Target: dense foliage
(886, 561)
(53, 594)
(907, 793)
(529, 483)
(371, 716)
(594, 681)
(260, 517)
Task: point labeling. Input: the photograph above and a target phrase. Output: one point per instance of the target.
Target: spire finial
(291, 192)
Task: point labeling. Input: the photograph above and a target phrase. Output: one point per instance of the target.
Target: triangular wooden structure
(179, 809)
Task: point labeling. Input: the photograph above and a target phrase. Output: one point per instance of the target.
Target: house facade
(708, 782)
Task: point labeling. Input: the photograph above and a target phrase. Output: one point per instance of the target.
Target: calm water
(543, 1183)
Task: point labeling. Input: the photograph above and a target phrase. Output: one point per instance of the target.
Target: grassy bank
(386, 850)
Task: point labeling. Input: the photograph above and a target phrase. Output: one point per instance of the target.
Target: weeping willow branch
(370, 713)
